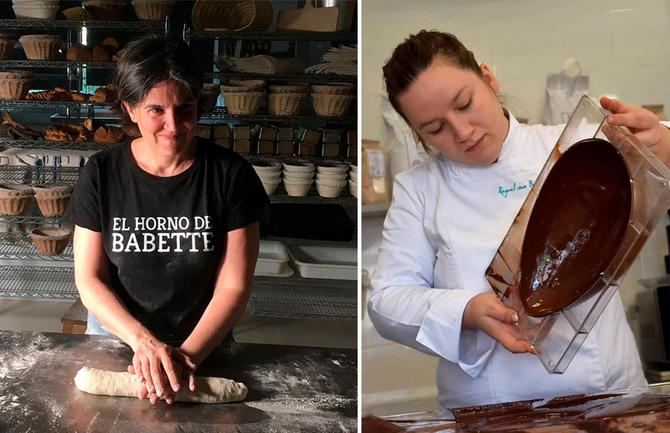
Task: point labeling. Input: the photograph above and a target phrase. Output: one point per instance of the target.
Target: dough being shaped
(122, 384)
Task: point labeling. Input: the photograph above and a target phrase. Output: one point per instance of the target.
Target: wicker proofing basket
(285, 104)
(15, 199)
(50, 241)
(52, 200)
(208, 96)
(289, 88)
(6, 45)
(41, 47)
(333, 89)
(331, 105)
(107, 10)
(15, 84)
(153, 10)
(232, 15)
(243, 102)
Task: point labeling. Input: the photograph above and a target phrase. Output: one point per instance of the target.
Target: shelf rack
(350, 37)
(301, 78)
(131, 26)
(55, 64)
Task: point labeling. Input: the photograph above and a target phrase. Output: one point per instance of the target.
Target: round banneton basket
(50, 241)
(153, 10)
(285, 104)
(52, 199)
(326, 105)
(15, 199)
(333, 89)
(41, 47)
(15, 84)
(232, 15)
(239, 103)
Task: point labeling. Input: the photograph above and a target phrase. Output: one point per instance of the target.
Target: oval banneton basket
(232, 15)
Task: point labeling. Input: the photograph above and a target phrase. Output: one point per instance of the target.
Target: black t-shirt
(165, 236)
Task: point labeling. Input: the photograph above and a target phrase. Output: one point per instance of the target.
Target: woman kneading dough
(166, 225)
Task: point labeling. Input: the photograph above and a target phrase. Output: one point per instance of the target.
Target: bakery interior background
(620, 46)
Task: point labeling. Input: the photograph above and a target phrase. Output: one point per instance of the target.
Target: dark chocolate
(576, 226)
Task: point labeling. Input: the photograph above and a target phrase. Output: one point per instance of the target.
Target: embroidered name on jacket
(162, 234)
(515, 187)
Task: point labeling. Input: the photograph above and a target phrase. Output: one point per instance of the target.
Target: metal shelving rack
(24, 273)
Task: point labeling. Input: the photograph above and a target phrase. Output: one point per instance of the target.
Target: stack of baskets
(244, 96)
(269, 172)
(52, 201)
(332, 100)
(286, 99)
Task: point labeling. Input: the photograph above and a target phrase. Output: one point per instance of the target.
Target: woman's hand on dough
(485, 312)
(642, 123)
(184, 369)
(156, 362)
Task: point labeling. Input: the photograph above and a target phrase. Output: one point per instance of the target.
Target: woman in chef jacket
(448, 218)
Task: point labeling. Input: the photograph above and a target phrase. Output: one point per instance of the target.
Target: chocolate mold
(557, 312)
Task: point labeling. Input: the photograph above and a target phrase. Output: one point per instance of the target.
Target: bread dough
(122, 384)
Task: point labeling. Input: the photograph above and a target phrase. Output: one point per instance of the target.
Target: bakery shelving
(51, 145)
(221, 115)
(272, 36)
(25, 273)
(55, 64)
(130, 26)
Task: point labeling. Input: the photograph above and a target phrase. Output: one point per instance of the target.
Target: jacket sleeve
(404, 306)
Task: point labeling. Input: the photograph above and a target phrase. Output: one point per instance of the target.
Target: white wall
(623, 46)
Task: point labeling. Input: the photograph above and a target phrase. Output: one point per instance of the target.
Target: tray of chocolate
(635, 411)
(587, 216)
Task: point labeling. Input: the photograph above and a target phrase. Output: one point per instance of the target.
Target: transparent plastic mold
(557, 335)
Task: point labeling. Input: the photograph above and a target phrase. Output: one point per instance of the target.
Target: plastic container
(327, 262)
(273, 260)
(557, 335)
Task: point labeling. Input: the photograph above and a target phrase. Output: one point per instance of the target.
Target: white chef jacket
(442, 229)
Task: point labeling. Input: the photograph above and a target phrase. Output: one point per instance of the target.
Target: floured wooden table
(291, 389)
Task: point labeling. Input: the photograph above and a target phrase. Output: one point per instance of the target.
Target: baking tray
(327, 262)
(273, 260)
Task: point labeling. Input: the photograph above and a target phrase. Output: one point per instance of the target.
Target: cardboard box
(220, 131)
(329, 150)
(285, 147)
(242, 146)
(307, 149)
(285, 134)
(331, 136)
(241, 133)
(266, 147)
(268, 133)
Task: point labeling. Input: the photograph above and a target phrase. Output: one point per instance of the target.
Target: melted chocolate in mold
(576, 226)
